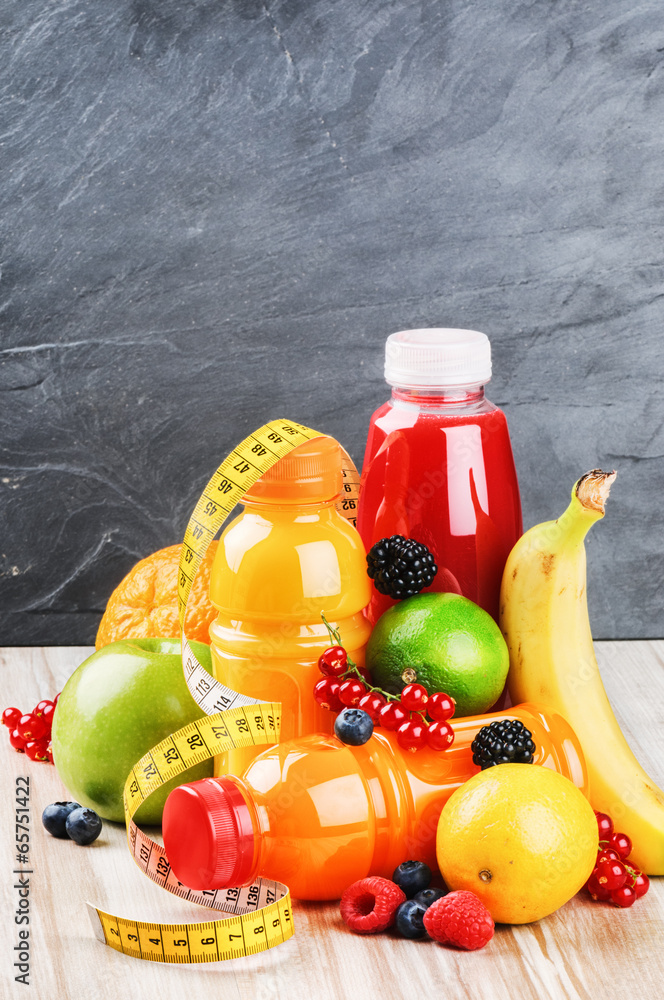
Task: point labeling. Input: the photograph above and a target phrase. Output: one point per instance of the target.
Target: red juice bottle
(438, 465)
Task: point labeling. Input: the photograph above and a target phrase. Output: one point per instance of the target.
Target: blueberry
(409, 919)
(353, 726)
(54, 817)
(428, 896)
(83, 826)
(412, 877)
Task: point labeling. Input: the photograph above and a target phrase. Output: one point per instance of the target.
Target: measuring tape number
(261, 913)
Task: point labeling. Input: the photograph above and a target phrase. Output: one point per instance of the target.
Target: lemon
(445, 642)
(520, 836)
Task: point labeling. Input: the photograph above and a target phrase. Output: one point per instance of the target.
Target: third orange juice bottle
(288, 557)
(318, 815)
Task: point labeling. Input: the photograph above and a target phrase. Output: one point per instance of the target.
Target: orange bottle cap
(311, 472)
(208, 834)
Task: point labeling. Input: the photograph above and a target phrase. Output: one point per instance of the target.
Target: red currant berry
(641, 884)
(611, 874)
(366, 674)
(49, 753)
(441, 707)
(372, 703)
(31, 727)
(597, 891)
(440, 735)
(621, 843)
(39, 709)
(412, 735)
(333, 662)
(392, 715)
(624, 896)
(47, 717)
(605, 825)
(36, 749)
(607, 854)
(326, 694)
(10, 717)
(55, 700)
(414, 697)
(350, 692)
(17, 741)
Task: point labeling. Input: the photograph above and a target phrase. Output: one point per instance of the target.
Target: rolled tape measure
(261, 913)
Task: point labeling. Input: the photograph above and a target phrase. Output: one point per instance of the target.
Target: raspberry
(370, 905)
(461, 919)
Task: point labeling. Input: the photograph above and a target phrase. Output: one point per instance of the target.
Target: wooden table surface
(585, 950)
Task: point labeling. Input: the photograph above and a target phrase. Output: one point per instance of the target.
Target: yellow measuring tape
(261, 912)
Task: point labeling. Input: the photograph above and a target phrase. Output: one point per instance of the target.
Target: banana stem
(589, 495)
(592, 490)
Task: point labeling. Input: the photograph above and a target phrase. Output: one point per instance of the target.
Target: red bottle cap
(209, 835)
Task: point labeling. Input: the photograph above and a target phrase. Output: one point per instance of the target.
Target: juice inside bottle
(438, 465)
(288, 557)
(318, 815)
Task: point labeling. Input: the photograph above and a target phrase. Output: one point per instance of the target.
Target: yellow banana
(544, 618)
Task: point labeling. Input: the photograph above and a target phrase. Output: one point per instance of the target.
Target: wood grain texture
(583, 952)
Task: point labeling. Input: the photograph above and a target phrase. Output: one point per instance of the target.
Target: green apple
(118, 704)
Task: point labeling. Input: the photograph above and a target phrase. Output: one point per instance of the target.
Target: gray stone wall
(212, 213)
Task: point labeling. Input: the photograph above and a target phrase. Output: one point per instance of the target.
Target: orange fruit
(145, 603)
(522, 837)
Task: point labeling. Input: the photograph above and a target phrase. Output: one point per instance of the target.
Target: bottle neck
(304, 506)
(434, 397)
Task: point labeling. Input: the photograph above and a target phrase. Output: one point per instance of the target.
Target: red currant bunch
(341, 686)
(613, 879)
(30, 733)
(345, 685)
(406, 715)
(417, 732)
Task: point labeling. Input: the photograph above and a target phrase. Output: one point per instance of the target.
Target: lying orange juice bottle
(318, 815)
(288, 557)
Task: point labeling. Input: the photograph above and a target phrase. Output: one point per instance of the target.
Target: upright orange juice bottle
(318, 815)
(288, 557)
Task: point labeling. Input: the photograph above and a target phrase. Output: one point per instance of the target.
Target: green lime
(445, 642)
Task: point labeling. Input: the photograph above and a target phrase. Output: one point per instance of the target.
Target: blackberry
(400, 567)
(504, 741)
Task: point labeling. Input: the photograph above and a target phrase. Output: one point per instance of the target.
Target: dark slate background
(212, 213)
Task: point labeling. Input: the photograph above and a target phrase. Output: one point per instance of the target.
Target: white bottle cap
(437, 358)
